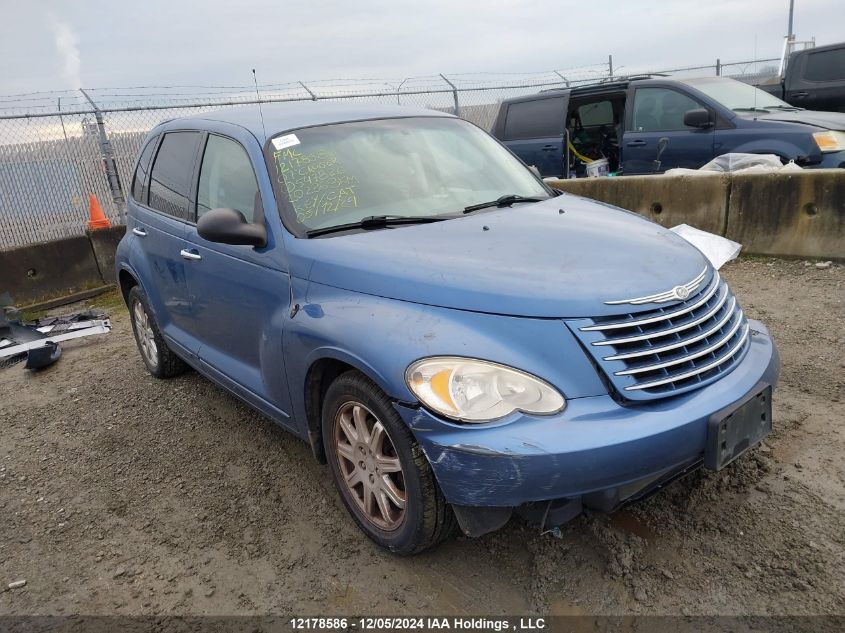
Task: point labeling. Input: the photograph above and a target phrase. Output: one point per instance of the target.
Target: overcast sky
(53, 44)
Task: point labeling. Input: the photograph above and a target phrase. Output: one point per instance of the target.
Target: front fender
(381, 337)
(784, 149)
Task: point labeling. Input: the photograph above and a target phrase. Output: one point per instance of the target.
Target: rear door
(161, 207)
(819, 81)
(240, 294)
(658, 112)
(534, 131)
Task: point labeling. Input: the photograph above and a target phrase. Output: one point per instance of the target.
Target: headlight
(478, 391)
(830, 141)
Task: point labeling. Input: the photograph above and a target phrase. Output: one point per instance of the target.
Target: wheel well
(127, 282)
(320, 375)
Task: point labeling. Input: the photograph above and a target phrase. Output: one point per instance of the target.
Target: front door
(240, 295)
(658, 113)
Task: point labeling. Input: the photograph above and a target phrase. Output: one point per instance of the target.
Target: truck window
(661, 110)
(825, 65)
(170, 182)
(539, 118)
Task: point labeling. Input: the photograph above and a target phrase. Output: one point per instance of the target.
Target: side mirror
(699, 117)
(229, 226)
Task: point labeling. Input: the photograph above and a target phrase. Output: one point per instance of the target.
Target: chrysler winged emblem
(675, 294)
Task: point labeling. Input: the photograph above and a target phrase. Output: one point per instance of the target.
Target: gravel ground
(123, 494)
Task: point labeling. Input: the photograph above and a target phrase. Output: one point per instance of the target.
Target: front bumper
(831, 160)
(594, 447)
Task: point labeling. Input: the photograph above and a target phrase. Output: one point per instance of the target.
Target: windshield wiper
(373, 222)
(783, 107)
(750, 109)
(502, 201)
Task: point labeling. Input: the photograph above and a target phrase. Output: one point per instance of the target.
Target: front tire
(380, 471)
(159, 360)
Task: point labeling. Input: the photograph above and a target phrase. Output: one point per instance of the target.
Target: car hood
(826, 120)
(564, 257)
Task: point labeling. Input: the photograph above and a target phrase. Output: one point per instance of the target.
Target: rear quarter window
(139, 181)
(535, 119)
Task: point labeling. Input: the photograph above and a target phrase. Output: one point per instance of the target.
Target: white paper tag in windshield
(288, 140)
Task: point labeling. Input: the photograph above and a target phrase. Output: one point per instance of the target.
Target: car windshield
(737, 95)
(416, 167)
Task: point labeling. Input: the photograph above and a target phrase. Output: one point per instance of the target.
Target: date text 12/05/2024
(418, 624)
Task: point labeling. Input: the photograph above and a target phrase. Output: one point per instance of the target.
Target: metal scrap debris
(37, 342)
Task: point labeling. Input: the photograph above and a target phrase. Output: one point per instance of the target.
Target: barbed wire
(187, 95)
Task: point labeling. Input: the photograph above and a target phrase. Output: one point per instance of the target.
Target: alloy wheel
(369, 466)
(145, 335)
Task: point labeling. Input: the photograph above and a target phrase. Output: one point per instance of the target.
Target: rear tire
(381, 473)
(159, 360)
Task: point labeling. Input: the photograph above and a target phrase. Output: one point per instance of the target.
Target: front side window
(661, 110)
(410, 167)
(139, 182)
(226, 179)
(170, 181)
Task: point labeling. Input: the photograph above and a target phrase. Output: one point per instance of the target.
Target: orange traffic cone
(98, 219)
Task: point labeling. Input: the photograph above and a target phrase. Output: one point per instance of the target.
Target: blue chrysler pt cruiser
(456, 340)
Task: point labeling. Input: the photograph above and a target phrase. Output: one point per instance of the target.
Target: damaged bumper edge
(597, 453)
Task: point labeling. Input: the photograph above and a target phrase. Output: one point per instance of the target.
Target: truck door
(816, 80)
(655, 113)
(534, 131)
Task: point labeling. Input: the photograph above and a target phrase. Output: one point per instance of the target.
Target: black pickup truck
(814, 79)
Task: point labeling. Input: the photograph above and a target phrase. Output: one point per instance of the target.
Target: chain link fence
(57, 148)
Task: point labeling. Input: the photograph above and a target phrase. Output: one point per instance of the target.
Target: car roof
(620, 83)
(279, 117)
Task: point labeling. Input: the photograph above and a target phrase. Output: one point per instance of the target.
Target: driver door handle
(190, 254)
(637, 143)
(139, 232)
(799, 95)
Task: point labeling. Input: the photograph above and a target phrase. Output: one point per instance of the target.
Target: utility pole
(610, 66)
(789, 32)
(107, 154)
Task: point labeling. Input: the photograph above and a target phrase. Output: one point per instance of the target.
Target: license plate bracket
(735, 429)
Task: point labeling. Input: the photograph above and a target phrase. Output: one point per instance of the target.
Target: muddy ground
(123, 494)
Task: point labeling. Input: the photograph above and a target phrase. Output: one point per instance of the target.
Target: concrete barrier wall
(700, 201)
(41, 271)
(801, 215)
(789, 214)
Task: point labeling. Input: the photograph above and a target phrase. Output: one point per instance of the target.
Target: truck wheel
(160, 361)
(381, 473)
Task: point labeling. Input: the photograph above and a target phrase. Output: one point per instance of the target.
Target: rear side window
(661, 110)
(535, 119)
(226, 178)
(598, 113)
(170, 181)
(825, 65)
(139, 182)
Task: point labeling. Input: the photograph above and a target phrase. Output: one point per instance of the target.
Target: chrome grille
(669, 350)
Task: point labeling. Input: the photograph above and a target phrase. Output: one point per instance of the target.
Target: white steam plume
(66, 45)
